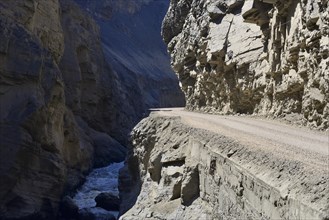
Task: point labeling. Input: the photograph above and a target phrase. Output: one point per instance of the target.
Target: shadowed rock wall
(43, 151)
(63, 108)
(141, 63)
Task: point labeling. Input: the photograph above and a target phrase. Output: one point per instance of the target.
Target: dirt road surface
(302, 144)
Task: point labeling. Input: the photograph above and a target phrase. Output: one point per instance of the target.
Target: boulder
(190, 185)
(108, 201)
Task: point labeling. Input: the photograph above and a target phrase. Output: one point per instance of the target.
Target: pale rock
(205, 175)
(253, 56)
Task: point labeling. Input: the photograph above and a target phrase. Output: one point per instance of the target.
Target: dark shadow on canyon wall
(72, 87)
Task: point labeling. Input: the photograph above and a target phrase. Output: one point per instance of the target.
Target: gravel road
(307, 146)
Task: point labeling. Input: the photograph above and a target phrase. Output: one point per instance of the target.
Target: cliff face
(179, 171)
(41, 145)
(257, 57)
(141, 62)
(63, 107)
(93, 92)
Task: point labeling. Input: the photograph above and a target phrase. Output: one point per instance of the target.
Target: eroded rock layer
(265, 57)
(176, 171)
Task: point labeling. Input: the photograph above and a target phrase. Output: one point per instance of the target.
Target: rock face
(181, 172)
(41, 145)
(141, 62)
(63, 108)
(253, 57)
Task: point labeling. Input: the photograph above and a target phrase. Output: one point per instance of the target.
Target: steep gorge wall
(141, 62)
(176, 171)
(265, 57)
(62, 106)
(35, 153)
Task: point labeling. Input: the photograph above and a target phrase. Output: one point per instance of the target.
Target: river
(100, 180)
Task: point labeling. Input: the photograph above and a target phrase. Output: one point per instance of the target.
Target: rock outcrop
(63, 108)
(181, 172)
(265, 57)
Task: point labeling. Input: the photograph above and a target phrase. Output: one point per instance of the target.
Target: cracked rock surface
(252, 57)
(183, 166)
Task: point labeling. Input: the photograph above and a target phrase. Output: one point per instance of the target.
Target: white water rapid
(100, 180)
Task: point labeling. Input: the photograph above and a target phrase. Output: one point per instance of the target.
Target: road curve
(268, 135)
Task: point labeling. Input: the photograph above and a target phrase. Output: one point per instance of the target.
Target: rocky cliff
(63, 105)
(141, 61)
(265, 57)
(182, 172)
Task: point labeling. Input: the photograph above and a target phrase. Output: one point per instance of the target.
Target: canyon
(69, 97)
(88, 84)
(265, 61)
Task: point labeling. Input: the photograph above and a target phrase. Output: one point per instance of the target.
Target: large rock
(108, 202)
(190, 185)
(252, 57)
